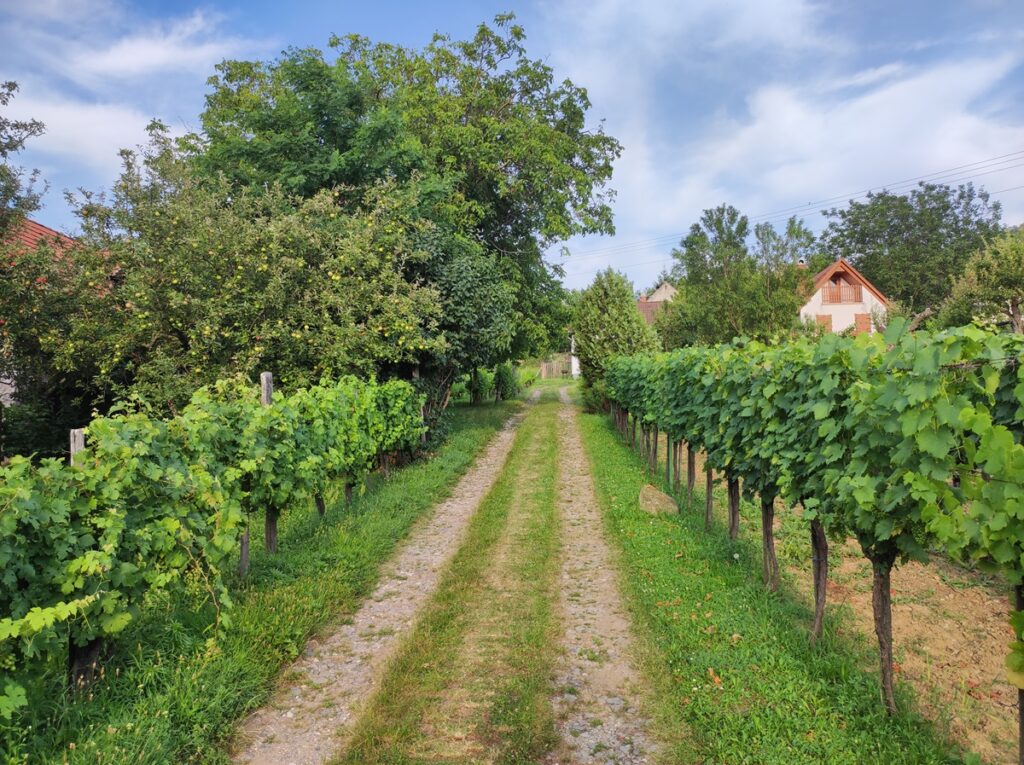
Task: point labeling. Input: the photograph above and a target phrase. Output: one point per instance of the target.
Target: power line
(936, 176)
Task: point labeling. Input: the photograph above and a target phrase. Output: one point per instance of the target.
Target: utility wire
(950, 175)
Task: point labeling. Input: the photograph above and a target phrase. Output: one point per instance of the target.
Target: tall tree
(607, 324)
(18, 197)
(991, 288)
(913, 246)
(727, 288)
(502, 149)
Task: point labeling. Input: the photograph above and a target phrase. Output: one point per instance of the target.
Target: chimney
(801, 264)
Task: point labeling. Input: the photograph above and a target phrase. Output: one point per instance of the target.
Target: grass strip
(731, 662)
(449, 656)
(171, 692)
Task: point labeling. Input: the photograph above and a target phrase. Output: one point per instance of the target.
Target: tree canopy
(607, 324)
(913, 246)
(730, 286)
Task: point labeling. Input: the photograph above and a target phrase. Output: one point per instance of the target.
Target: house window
(825, 320)
(861, 323)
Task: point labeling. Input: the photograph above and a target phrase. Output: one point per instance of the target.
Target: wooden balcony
(832, 294)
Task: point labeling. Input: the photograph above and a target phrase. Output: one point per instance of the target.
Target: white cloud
(191, 44)
(775, 137)
(89, 135)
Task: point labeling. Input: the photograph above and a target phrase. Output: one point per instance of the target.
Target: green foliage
(506, 382)
(607, 324)
(991, 288)
(170, 693)
(498, 149)
(16, 197)
(868, 433)
(729, 289)
(153, 504)
(913, 246)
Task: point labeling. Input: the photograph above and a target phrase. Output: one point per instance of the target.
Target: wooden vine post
(691, 472)
(271, 513)
(669, 455)
(819, 569)
(709, 500)
(83, 660)
(733, 486)
(677, 463)
(654, 449)
(769, 561)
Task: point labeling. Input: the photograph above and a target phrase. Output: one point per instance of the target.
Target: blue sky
(766, 104)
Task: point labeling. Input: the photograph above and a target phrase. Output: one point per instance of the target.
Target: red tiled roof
(31, 234)
(649, 309)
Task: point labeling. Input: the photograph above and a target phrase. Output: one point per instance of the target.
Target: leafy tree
(608, 324)
(913, 246)
(728, 289)
(992, 286)
(501, 150)
(184, 280)
(16, 197)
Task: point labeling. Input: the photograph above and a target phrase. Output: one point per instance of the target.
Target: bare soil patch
(598, 688)
(310, 715)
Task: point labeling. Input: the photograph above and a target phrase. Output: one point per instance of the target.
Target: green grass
(452, 657)
(729, 662)
(171, 693)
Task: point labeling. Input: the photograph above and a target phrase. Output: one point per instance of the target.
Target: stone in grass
(655, 501)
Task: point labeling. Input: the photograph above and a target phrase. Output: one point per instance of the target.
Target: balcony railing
(841, 293)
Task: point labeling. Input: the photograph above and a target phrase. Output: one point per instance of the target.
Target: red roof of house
(843, 265)
(649, 309)
(32, 234)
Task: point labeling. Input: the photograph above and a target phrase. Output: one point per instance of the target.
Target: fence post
(77, 443)
(270, 513)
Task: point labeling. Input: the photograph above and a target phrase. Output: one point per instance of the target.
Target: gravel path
(307, 721)
(597, 687)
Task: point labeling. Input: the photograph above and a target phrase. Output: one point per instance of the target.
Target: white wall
(842, 313)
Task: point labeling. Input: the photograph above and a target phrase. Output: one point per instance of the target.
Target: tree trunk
(632, 438)
(270, 529)
(321, 506)
(769, 562)
(243, 554)
(691, 473)
(819, 568)
(476, 395)
(709, 499)
(83, 662)
(348, 492)
(734, 507)
(881, 602)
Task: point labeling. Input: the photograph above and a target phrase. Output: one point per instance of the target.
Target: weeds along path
(307, 720)
(597, 687)
(472, 683)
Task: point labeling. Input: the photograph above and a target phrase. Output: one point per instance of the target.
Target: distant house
(843, 298)
(28, 235)
(650, 305)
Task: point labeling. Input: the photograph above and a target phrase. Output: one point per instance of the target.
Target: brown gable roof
(30, 235)
(649, 309)
(843, 265)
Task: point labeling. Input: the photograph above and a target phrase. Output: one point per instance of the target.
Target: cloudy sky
(774, 106)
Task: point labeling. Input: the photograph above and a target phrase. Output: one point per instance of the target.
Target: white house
(843, 298)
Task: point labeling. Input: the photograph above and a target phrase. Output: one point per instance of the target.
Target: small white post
(77, 443)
